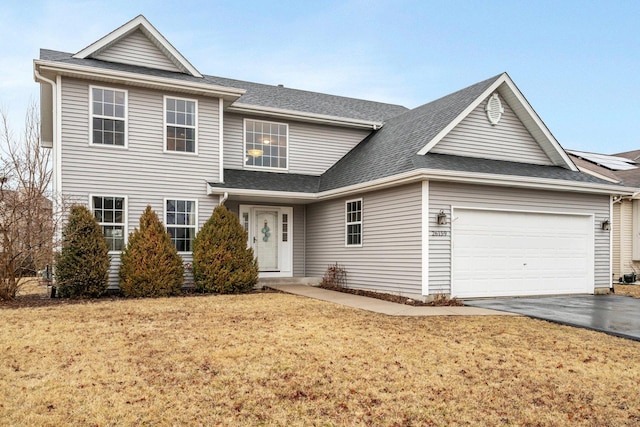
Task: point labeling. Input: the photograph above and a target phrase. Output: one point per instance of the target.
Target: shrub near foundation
(82, 266)
(222, 263)
(150, 264)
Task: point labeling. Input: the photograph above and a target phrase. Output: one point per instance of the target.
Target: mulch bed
(439, 300)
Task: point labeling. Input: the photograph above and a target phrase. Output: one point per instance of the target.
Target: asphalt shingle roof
(391, 150)
(386, 152)
(257, 94)
(269, 181)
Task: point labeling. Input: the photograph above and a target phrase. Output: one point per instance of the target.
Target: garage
(514, 253)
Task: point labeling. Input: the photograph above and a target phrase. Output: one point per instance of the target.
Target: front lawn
(276, 359)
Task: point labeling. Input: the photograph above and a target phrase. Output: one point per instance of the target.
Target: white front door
(270, 234)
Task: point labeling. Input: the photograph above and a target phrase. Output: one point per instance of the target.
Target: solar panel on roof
(614, 163)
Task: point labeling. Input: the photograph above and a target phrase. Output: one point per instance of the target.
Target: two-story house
(469, 195)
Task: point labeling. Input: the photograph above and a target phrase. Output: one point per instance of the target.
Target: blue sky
(577, 62)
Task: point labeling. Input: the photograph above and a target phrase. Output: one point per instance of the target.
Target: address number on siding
(440, 233)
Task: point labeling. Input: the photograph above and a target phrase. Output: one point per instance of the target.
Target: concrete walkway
(384, 307)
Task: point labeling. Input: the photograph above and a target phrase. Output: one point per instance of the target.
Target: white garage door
(505, 253)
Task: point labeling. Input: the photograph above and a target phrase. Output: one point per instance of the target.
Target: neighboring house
(623, 168)
(469, 195)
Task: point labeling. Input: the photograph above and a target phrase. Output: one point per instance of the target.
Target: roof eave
(304, 116)
(137, 79)
(436, 175)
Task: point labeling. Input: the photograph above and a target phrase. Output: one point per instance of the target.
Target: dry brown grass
(276, 359)
(630, 290)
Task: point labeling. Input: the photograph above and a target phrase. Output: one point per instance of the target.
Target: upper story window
(180, 124)
(110, 212)
(180, 218)
(353, 223)
(265, 144)
(108, 116)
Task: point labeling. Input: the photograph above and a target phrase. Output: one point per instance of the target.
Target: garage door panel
(501, 253)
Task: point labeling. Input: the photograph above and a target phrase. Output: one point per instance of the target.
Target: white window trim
(126, 118)
(165, 124)
(346, 223)
(195, 226)
(244, 147)
(125, 214)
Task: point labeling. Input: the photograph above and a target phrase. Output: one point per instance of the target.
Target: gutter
(304, 116)
(143, 80)
(437, 175)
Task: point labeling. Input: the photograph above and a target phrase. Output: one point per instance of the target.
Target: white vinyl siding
(142, 172)
(312, 148)
(444, 195)
(390, 260)
(137, 49)
(509, 140)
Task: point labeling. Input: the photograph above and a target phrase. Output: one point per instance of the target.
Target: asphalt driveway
(612, 314)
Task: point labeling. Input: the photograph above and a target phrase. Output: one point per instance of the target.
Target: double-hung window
(180, 116)
(353, 227)
(180, 219)
(265, 144)
(108, 116)
(110, 212)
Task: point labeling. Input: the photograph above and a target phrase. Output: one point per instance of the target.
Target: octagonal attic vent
(494, 109)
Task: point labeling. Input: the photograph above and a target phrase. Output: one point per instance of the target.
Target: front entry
(270, 234)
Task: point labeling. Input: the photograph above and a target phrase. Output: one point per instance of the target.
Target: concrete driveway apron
(612, 314)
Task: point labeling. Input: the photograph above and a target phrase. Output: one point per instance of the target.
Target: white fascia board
(525, 182)
(596, 174)
(303, 116)
(142, 80)
(424, 150)
(310, 197)
(140, 22)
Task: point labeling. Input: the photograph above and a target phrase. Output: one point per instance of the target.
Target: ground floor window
(180, 219)
(353, 223)
(110, 212)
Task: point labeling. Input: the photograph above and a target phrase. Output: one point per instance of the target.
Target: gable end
(148, 44)
(137, 49)
(504, 139)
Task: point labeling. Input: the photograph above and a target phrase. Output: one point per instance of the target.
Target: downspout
(223, 199)
(56, 149)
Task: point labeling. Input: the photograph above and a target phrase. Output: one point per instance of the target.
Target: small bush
(222, 263)
(334, 277)
(150, 265)
(82, 266)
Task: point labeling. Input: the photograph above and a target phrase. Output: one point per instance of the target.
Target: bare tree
(26, 214)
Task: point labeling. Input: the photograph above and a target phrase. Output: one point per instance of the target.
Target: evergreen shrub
(222, 263)
(82, 265)
(150, 265)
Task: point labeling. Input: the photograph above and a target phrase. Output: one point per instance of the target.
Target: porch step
(274, 281)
